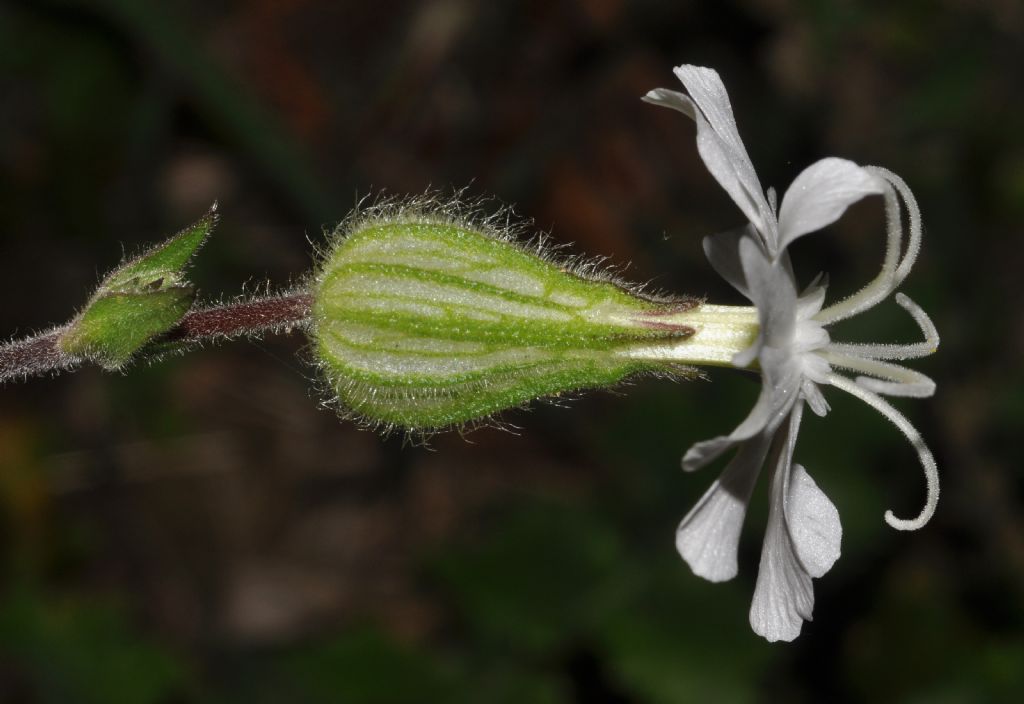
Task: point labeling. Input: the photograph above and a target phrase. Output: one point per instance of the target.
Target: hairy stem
(42, 353)
(242, 318)
(33, 355)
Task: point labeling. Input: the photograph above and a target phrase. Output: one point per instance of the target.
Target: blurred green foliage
(81, 650)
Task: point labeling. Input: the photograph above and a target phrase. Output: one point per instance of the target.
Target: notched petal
(762, 420)
(718, 141)
(705, 452)
(813, 523)
(821, 194)
(773, 291)
(784, 595)
(723, 251)
(708, 537)
(672, 99)
(707, 90)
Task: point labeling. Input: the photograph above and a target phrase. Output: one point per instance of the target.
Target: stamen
(892, 379)
(911, 351)
(931, 472)
(893, 222)
(882, 285)
(913, 221)
(919, 389)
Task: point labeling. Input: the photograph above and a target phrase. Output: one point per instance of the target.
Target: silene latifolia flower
(796, 357)
(426, 316)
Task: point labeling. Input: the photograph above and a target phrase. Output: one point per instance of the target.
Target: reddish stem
(42, 353)
(32, 356)
(233, 319)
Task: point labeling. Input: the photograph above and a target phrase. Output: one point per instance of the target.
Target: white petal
(730, 167)
(723, 251)
(728, 170)
(707, 90)
(705, 452)
(708, 537)
(784, 595)
(672, 99)
(813, 523)
(821, 194)
(879, 288)
(770, 408)
(744, 358)
(772, 290)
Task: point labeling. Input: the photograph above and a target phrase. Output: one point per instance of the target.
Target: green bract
(424, 323)
(136, 302)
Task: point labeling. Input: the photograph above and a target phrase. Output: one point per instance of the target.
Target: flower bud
(424, 322)
(138, 301)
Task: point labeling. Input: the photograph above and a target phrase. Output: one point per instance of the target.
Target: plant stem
(242, 318)
(42, 353)
(33, 355)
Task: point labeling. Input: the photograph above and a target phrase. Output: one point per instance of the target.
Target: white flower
(795, 357)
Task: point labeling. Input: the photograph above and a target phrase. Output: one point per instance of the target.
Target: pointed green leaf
(138, 301)
(116, 325)
(162, 265)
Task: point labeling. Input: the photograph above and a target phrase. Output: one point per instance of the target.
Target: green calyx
(424, 323)
(138, 301)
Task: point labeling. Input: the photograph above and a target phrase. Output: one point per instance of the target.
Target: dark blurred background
(201, 531)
